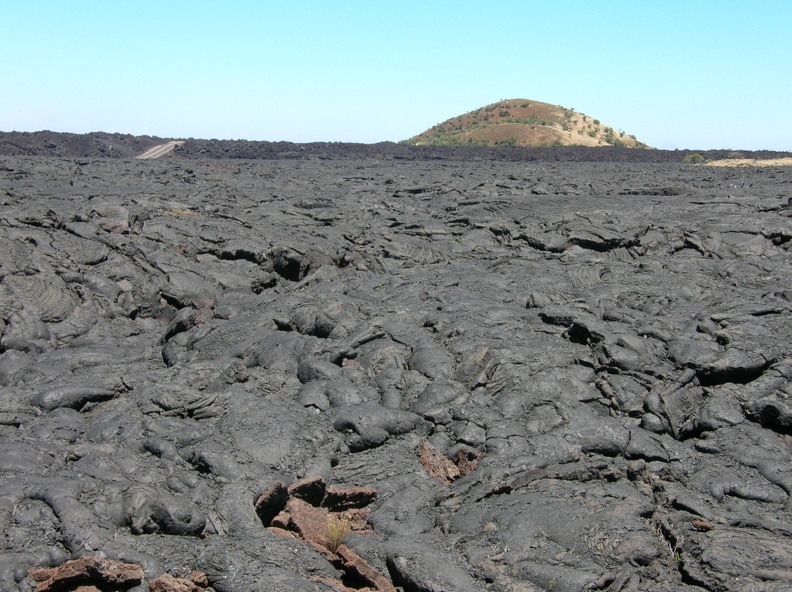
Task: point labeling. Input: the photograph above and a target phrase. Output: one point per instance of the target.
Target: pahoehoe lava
(494, 375)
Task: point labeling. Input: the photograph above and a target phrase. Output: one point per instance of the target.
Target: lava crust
(368, 372)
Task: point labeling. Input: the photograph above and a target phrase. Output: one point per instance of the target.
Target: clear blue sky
(677, 74)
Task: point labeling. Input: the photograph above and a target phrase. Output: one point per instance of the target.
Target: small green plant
(694, 158)
(338, 529)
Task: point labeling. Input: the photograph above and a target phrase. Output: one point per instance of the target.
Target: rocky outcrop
(86, 573)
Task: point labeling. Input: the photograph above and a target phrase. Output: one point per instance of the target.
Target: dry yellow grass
(338, 528)
(750, 162)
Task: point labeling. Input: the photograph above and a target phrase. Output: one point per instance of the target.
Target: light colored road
(161, 150)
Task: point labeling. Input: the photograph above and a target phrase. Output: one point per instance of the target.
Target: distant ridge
(124, 146)
(66, 145)
(523, 122)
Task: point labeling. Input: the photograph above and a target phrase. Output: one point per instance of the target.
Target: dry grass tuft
(338, 529)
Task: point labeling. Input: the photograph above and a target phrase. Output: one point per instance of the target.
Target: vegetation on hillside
(522, 122)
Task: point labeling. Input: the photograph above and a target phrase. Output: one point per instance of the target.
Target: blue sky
(695, 74)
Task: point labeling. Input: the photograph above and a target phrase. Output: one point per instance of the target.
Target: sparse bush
(694, 158)
(338, 529)
(504, 113)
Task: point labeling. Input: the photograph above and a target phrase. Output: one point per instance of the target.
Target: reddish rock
(701, 525)
(168, 583)
(437, 464)
(39, 574)
(355, 565)
(310, 489)
(308, 521)
(271, 502)
(283, 533)
(338, 500)
(467, 460)
(358, 520)
(281, 521)
(85, 572)
(199, 578)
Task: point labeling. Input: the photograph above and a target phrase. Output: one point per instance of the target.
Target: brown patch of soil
(750, 162)
(528, 135)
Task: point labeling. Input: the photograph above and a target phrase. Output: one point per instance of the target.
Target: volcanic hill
(522, 122)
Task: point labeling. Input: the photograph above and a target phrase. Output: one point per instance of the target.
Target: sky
(695, 74)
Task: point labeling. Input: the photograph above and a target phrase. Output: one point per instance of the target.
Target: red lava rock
(467, 460)
(701, 525)
(271, 502)
(281, 521)
(199, 578)
(338, 500)
(168, 583)
(437, 464)
(39, 574)
(308, 521)
(283, 533)
(310, 489)
(86, 571)
(354, 564)
(358, 520)
(308, 509)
